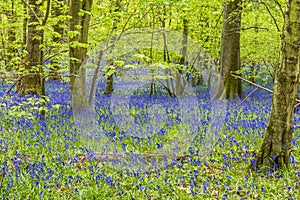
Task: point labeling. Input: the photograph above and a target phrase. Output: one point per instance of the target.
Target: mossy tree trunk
(277, 144)
(79, 25)
(229, 87)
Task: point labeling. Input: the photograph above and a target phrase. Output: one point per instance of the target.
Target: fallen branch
(261, 87)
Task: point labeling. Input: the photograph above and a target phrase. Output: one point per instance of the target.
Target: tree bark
(56, 61)
(32, 82)
(109, 87)
(25, 20)
(9, 46)
(229, 87)
(79, 22)
(277, 144)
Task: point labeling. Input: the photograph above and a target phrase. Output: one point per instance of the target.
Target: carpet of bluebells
(42, 158)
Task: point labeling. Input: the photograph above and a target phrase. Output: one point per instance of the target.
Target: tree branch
(253, 27)
(47, 13)
(268, 10)
(256, 85)
(279, 5)
(35, 15)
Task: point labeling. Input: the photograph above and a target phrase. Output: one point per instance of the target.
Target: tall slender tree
(58, 38)
(32, 81)
(80, 11)
(109, 87)
(277, 144)
(229, 87)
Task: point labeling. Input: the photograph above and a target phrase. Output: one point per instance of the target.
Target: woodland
(149, 99)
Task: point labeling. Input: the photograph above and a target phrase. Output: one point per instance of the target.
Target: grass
(45, 159)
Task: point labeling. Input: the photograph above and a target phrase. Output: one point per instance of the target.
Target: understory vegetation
(44, 158)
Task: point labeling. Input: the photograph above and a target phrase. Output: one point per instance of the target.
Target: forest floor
(45, 158)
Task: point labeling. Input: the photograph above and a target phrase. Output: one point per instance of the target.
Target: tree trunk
(25, 20)
(277, 143)
(184, 41)
(163, 25)
(229, 87)
(252, 73)
(32, 81)
(77, 51)
(109, 87)
(10, 45)
(56, 61)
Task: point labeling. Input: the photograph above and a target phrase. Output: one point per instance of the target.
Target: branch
(35, 15)
(268, 10)
(51, 56)
(47, 13)
(256, 85)
(279, 5)
(143, 17)
(253, 27)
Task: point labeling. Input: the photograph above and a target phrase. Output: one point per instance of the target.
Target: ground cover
(45, 159)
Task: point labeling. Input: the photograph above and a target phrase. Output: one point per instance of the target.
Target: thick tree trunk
(77, 52)
(277, 143)
(32, 82)
(229, 87)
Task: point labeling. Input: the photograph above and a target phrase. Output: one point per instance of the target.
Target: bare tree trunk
(163, 25)
(11, 20)
(78, 52)
(25, 25)
(277, 143)
(229, 87)
(184, 41)
(251, 72)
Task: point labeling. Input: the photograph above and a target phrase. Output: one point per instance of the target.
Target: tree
(80, 11)
(11, 18)
(33, 80)
(277, 144)
(58, 38)
(229, 87)
(110, 78)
